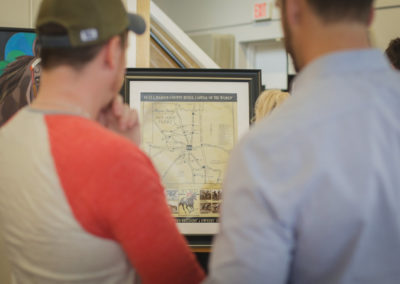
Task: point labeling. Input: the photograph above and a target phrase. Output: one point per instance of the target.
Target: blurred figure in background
(267, 102)
(393, 53)
(19, 85)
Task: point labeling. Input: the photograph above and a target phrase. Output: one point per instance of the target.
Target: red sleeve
(115, 192)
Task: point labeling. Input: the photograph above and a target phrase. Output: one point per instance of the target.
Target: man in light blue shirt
(312, 193)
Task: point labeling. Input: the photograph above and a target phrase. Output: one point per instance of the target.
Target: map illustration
(189, 137)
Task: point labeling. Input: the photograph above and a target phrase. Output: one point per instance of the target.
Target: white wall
(216, 16)
(4, 266)
(269, 56)
(255, 42)
(20, 13)
(386, 25)
(386, 3)
(204, 15)
(223, 17)
(235, 17)
(15, 13)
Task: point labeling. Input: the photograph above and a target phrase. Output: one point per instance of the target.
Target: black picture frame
(17, 30)
(138, 79)
(252, 76)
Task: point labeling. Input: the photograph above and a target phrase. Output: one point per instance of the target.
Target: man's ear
(113, 52)
(293, 12)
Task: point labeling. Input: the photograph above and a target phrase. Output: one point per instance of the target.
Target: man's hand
(121, 119)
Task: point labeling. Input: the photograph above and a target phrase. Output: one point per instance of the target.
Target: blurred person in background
(393, 53)
(267, 101)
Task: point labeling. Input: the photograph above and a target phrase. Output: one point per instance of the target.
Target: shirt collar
(342, 62)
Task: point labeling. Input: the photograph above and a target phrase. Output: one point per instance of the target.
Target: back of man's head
(72, 32)
(342, 10)
(75, 57)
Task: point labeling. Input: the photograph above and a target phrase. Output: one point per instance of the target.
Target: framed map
(191, 119)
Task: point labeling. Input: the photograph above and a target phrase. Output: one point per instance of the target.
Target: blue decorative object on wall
(15, 43)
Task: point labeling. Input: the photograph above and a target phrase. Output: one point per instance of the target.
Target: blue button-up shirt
(312, 193)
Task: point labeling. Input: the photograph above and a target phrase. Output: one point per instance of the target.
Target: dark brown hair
(337, 10)
(393, 52)
(76, 57)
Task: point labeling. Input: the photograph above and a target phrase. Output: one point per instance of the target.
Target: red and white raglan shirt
(80, 204)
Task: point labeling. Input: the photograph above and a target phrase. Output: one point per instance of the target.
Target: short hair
(337, 10)
(76, 57)
(267, 101)
(393, 52)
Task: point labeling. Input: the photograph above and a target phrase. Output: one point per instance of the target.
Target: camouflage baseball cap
(87, 22)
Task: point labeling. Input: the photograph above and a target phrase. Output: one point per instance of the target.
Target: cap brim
(136, 24)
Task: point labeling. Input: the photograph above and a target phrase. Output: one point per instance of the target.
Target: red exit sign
(262, 11)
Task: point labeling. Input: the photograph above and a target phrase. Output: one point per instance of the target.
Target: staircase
(165, 52)
(170, 47)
